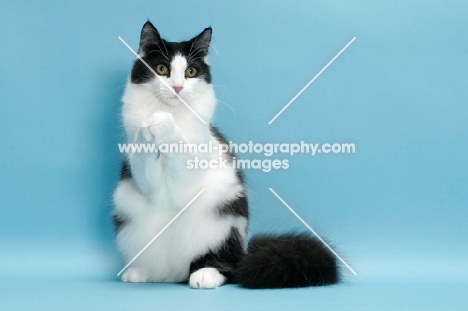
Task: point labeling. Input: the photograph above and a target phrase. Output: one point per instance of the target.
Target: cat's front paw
(206, 278)
(159, 128)
(134, 275)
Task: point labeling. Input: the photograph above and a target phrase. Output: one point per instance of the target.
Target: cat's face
(181, 65)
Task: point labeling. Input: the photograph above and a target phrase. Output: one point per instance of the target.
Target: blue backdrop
(396, 209)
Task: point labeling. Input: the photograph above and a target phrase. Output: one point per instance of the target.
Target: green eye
(162, 69)
(191, 72)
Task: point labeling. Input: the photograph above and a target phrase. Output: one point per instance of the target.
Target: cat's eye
(191, 72)
(162, 69)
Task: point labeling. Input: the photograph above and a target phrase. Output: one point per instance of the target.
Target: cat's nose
(177, 88)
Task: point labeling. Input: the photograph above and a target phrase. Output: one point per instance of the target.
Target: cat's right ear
(149, 38)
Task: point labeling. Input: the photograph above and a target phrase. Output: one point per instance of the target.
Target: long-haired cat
(206, 246)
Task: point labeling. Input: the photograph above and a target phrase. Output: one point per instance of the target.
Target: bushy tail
(288, 260)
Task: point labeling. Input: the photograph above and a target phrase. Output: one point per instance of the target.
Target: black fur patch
(222, 140)
(159, 51)
(237, 207)
(289, 260)
(240, 176)
(125, 171)
(120, 221)
(225, 258)
(230, 155)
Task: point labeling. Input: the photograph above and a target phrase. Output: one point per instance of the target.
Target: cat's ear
(149, 38)
(201, 43)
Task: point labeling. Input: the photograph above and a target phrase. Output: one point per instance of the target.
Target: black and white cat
(206, 245)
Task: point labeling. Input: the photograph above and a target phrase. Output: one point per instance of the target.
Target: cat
(205, 246)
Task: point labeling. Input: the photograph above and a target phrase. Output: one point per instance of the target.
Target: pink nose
(177, 88)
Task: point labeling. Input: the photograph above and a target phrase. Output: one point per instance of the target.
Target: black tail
(288, 260)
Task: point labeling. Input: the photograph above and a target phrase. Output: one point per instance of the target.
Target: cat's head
(181, 65)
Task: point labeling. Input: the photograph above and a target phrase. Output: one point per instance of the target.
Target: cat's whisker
(221, 86)
(224, 103)
(197, 51)
(191, 47)
(221, 102)
(141, 97)
(214, 49)
(160, 52)
(161, 98)
(150, 104)
(167, 53)
(194, 59)
(230, 107)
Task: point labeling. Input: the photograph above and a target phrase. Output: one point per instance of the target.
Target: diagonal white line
(160, 79)
(160, 232)
(311, 81)
(313, 231)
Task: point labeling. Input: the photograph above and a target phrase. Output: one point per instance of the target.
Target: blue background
(396, 210)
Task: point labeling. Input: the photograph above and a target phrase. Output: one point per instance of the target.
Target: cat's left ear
(201, 43)
(149, 38)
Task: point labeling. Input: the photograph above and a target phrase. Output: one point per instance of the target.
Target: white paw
(207, 278)
(134, 275)
(159, 127)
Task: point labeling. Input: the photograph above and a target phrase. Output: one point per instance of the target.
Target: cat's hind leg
(217, 266)
(206, 278)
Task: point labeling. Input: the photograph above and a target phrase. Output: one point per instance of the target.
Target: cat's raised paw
(206, 278)
(133, 275)
(159, 127)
